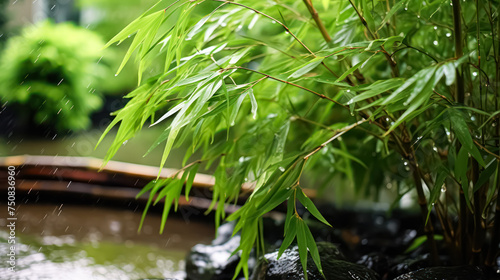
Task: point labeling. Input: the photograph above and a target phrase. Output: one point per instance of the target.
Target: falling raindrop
(474, 74)
(473, 118)
(60, 81)
(448, 35)
(407, 166)
(435, 43)
(125, 142)
(435, 27)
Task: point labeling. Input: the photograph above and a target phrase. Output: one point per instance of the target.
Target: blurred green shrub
(51, 71)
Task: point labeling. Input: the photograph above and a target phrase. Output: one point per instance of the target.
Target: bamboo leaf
(417, 242)
(462, 132)
(377, 88)
(289, 235)
(313, 249)
(306, 68)
(190, 180)
(393, 11)
(436, 190)
(309, 205)
(485, 175)
(254, 103)
(352, 69)
(302, 244)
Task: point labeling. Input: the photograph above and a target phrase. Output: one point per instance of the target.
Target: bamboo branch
(339, 133)
(318, 21)
(322, 96)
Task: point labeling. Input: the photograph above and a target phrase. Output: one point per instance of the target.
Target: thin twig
(270, 17)
(339, 133)
(322, 96)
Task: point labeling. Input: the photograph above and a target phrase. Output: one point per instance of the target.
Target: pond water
(85, 242)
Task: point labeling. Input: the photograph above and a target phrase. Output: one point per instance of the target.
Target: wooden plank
(79, 168)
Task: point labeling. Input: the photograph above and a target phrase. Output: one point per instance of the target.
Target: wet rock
(214, 262)
(335, 267)
(445, 273)
(377, 262)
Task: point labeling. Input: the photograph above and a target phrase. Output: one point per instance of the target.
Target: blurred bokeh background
(58, 83)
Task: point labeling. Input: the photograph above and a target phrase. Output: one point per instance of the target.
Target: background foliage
(53, 70)
(376, 93)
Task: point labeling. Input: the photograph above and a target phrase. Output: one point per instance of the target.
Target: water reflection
(78, 242)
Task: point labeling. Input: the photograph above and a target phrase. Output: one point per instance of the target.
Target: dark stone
(214, 262)
(445, 273)
(288, 267)
(377, 262)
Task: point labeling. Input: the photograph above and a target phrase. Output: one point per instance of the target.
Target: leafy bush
(397, 93)
(52, 72)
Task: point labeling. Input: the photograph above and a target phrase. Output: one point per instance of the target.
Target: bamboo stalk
(460, 98)
(495, 241)
(318, 21)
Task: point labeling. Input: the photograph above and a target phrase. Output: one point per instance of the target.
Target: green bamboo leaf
(190, 180)
(302, 244)
(450, 73)
(166, 186)
(290, 211)
(352, 69)
(349, 156)
(146, 188)
(485, 175)
(309, 205)
(170, 112)
(461, 166)
(237, 105)
(436, 190)
(313, 249)
(377, 88)
(156, 187)
(306, 68)
(254, 103)
(146, 29)
(417, 242)
(462, 132)
(289, 235)
(131, 27)
(393, 11)
(419, 77)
